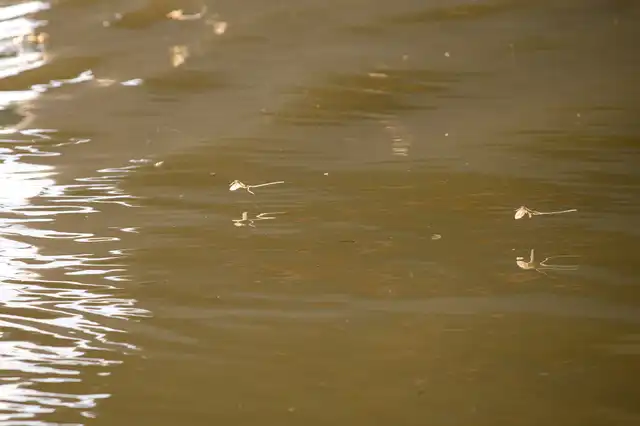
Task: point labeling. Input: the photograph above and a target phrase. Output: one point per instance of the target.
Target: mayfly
(525, 211)
(236, 184)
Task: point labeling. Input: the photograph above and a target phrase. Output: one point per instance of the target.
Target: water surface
(386, 280)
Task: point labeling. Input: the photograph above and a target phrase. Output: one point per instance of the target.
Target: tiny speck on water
(436, 237)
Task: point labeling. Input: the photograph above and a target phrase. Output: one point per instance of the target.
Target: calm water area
(381, 278)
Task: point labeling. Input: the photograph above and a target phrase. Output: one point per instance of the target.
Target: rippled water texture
(308, 212)
(61, 281)
(63, 308)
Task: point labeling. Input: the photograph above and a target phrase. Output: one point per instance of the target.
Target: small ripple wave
(62, 306)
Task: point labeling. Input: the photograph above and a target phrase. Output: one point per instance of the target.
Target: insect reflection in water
(543, 266)
(246, 221)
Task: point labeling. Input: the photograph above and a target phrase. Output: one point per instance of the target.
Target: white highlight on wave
(63, 313)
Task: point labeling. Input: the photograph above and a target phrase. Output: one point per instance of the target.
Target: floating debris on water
(179, 15)
(178, 55)
(219, 27)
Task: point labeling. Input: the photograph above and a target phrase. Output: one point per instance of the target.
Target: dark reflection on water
(375, 94)
(453, 12)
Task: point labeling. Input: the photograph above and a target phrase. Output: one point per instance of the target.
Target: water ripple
(55, 290)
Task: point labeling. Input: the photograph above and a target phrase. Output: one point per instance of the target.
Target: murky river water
(386, 280)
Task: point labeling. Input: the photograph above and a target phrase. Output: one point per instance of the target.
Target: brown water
(386, 281)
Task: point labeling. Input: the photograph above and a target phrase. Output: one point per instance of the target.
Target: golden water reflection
(55, 290)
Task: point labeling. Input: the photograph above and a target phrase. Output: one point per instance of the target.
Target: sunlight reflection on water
(53, 300)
